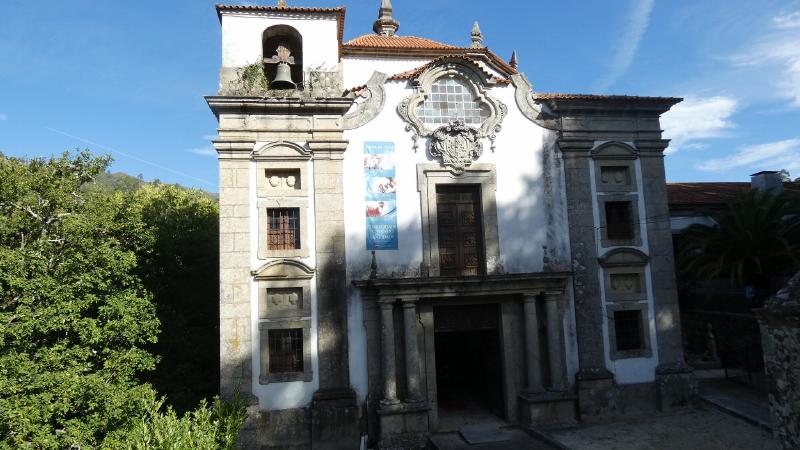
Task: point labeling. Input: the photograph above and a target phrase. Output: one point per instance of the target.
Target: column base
(335, 419)
(597, 393)
(675, 386)
(404, 426)
(548, 408)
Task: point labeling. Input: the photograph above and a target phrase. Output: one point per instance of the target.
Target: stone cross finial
(477, 36)
(513, 61)
(385, 25)
(281, 3)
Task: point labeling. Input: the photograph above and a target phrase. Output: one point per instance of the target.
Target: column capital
(386, 302)
(530, 297)
(409, 302)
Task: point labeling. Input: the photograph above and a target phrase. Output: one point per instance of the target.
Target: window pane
(451, 99)
(628, 330)
(284, 228)
(619, 221)
(285, 350)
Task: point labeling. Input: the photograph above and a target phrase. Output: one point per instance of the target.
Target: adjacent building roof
(375, 41)
(715, 194)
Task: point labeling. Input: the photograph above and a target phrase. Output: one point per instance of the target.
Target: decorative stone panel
(479, 83)
(615, 176)
(279, 299)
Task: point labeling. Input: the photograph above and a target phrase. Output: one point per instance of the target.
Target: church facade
(410, 234)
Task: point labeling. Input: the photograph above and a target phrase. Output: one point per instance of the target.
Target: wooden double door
(460, 230)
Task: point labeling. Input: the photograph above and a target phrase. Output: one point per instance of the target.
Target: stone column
(413, 381)
(554, 343)
(387, 351)
(532, 357)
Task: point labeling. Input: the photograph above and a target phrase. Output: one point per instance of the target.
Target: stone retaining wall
(780, 337)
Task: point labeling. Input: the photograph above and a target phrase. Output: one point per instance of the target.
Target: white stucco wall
(242, 32)
(521, 209)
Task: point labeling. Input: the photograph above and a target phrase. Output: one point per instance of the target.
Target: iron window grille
(285, 350)
(284, 228)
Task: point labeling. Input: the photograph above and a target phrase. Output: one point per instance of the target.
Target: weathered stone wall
(780, 338)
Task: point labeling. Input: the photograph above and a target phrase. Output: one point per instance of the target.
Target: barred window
(284, 228)
(451, 99)
(285, 350)
(628, 330)
(619, 220)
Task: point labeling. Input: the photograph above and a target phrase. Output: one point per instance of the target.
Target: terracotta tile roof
(414, 73)
(290, 9)
(395, 42)
(704, 193)
(372, 44)
(546, 96)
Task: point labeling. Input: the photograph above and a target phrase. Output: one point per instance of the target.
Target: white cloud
(698, 118)
(787, 21)
(770, 156)
(209, 137)
(635, 27)
(203, 151)
(3, 116)
(777, 54)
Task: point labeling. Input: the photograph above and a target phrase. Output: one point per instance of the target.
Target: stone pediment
(623, 257)
(283, 269)
(614, 150)
(281, 150)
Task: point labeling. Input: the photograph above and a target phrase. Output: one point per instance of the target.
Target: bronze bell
(283, 77)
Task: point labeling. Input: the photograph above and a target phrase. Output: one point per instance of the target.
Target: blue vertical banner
(381, 197)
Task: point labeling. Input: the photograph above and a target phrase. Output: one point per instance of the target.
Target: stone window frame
(483, 175)
(263, 222)
(644, 320)
(633, 198)
(265, 377)
(474, 76)
(285, 273)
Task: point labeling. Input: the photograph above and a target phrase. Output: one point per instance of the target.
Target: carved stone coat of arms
(457, 144)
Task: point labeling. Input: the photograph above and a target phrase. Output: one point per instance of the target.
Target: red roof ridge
(224, 7)
(563, 96)
(395, 41)
(414, 73)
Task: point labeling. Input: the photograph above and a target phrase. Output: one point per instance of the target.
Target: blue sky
(128, 78)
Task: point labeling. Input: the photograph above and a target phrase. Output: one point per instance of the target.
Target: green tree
(74, 317)
(179, 265)
(754, 239)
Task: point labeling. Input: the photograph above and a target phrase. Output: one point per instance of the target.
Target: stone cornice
(551, 283)
(328, 149)
(610, 105)
(285, 105)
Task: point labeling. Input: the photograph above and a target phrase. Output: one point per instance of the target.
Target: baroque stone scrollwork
(448, 137)
(457, 144)
(523, 94)
(367, 109)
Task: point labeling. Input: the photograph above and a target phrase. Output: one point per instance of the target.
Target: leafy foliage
(215, 427)
(179, 266)
(74, 318)
(85, 275)
(755, 238)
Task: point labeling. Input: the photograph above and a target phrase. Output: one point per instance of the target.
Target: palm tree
(756, 238)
